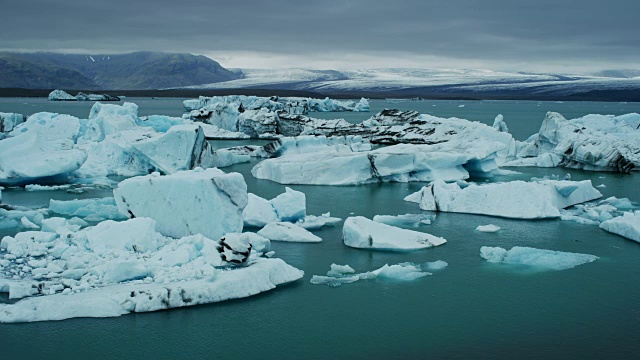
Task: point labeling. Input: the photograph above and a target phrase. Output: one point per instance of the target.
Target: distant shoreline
(594, 95)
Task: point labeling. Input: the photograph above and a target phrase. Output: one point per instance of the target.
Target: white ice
(627, 225)
(535, 258)
(515, 199)
(209, 201)
(284, 231)
(360, 232)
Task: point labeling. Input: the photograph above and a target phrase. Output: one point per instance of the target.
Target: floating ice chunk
(27, 224)
(360, 232)
(435, 265)
(160, 123)
(548, 160)
(258, 212)
(601, 186)
(290, 205)
(499, 124)
(593, 142)
(132, 235)
(42, 148)
(124, 270)
(340, 270)
(284, 231)
(89, 209)
(209, 201)
(312, 222)
(108, 119)
(398, 163)
(538, 258)
(412, 220)
(488, 228)
(344, 274)
(61, 95)
(8, 122)
(594, 213)
(627, 225)
(400, 272)
(516, 199)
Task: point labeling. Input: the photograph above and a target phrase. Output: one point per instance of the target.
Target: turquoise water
(471, 309)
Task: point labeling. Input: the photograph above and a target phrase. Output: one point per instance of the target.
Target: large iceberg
(592, 142)
(537, 258)
(627, 225)
(399, 163)
(41, 149)
(515, 199)
(117, 268)
(360, 232)
(207, 202)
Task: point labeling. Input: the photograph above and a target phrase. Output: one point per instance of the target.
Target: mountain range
(132, 71)
(186, 74)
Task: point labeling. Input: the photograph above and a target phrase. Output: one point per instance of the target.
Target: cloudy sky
(517, 35)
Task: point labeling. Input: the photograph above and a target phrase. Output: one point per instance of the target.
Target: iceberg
(284, 231)
(515, 199)
(41, 149)
(61, 95)
(594, 213)
(627, 225)
(117, 268)
(399, 163)
(312, 222)
(209, 202)
(88, 209)
(536, 258)
(345, 274)
(408, 220)
(289, 206)
(592, 142)
(360, 232)
(293, 105)
(488, 228)
(9, 121)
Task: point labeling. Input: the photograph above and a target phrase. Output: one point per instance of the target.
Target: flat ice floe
(209, 202)
(408, 220)
(117, 268)
(345, 274)
(515, 199)
(536, 258)
(360, 232)
(490, 228)
(627, 225)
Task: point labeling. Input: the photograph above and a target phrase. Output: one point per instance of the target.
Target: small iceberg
(536, 258)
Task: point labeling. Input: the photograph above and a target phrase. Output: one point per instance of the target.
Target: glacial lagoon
(471, 308)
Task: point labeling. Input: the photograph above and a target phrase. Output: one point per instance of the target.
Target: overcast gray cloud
(499, 34)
